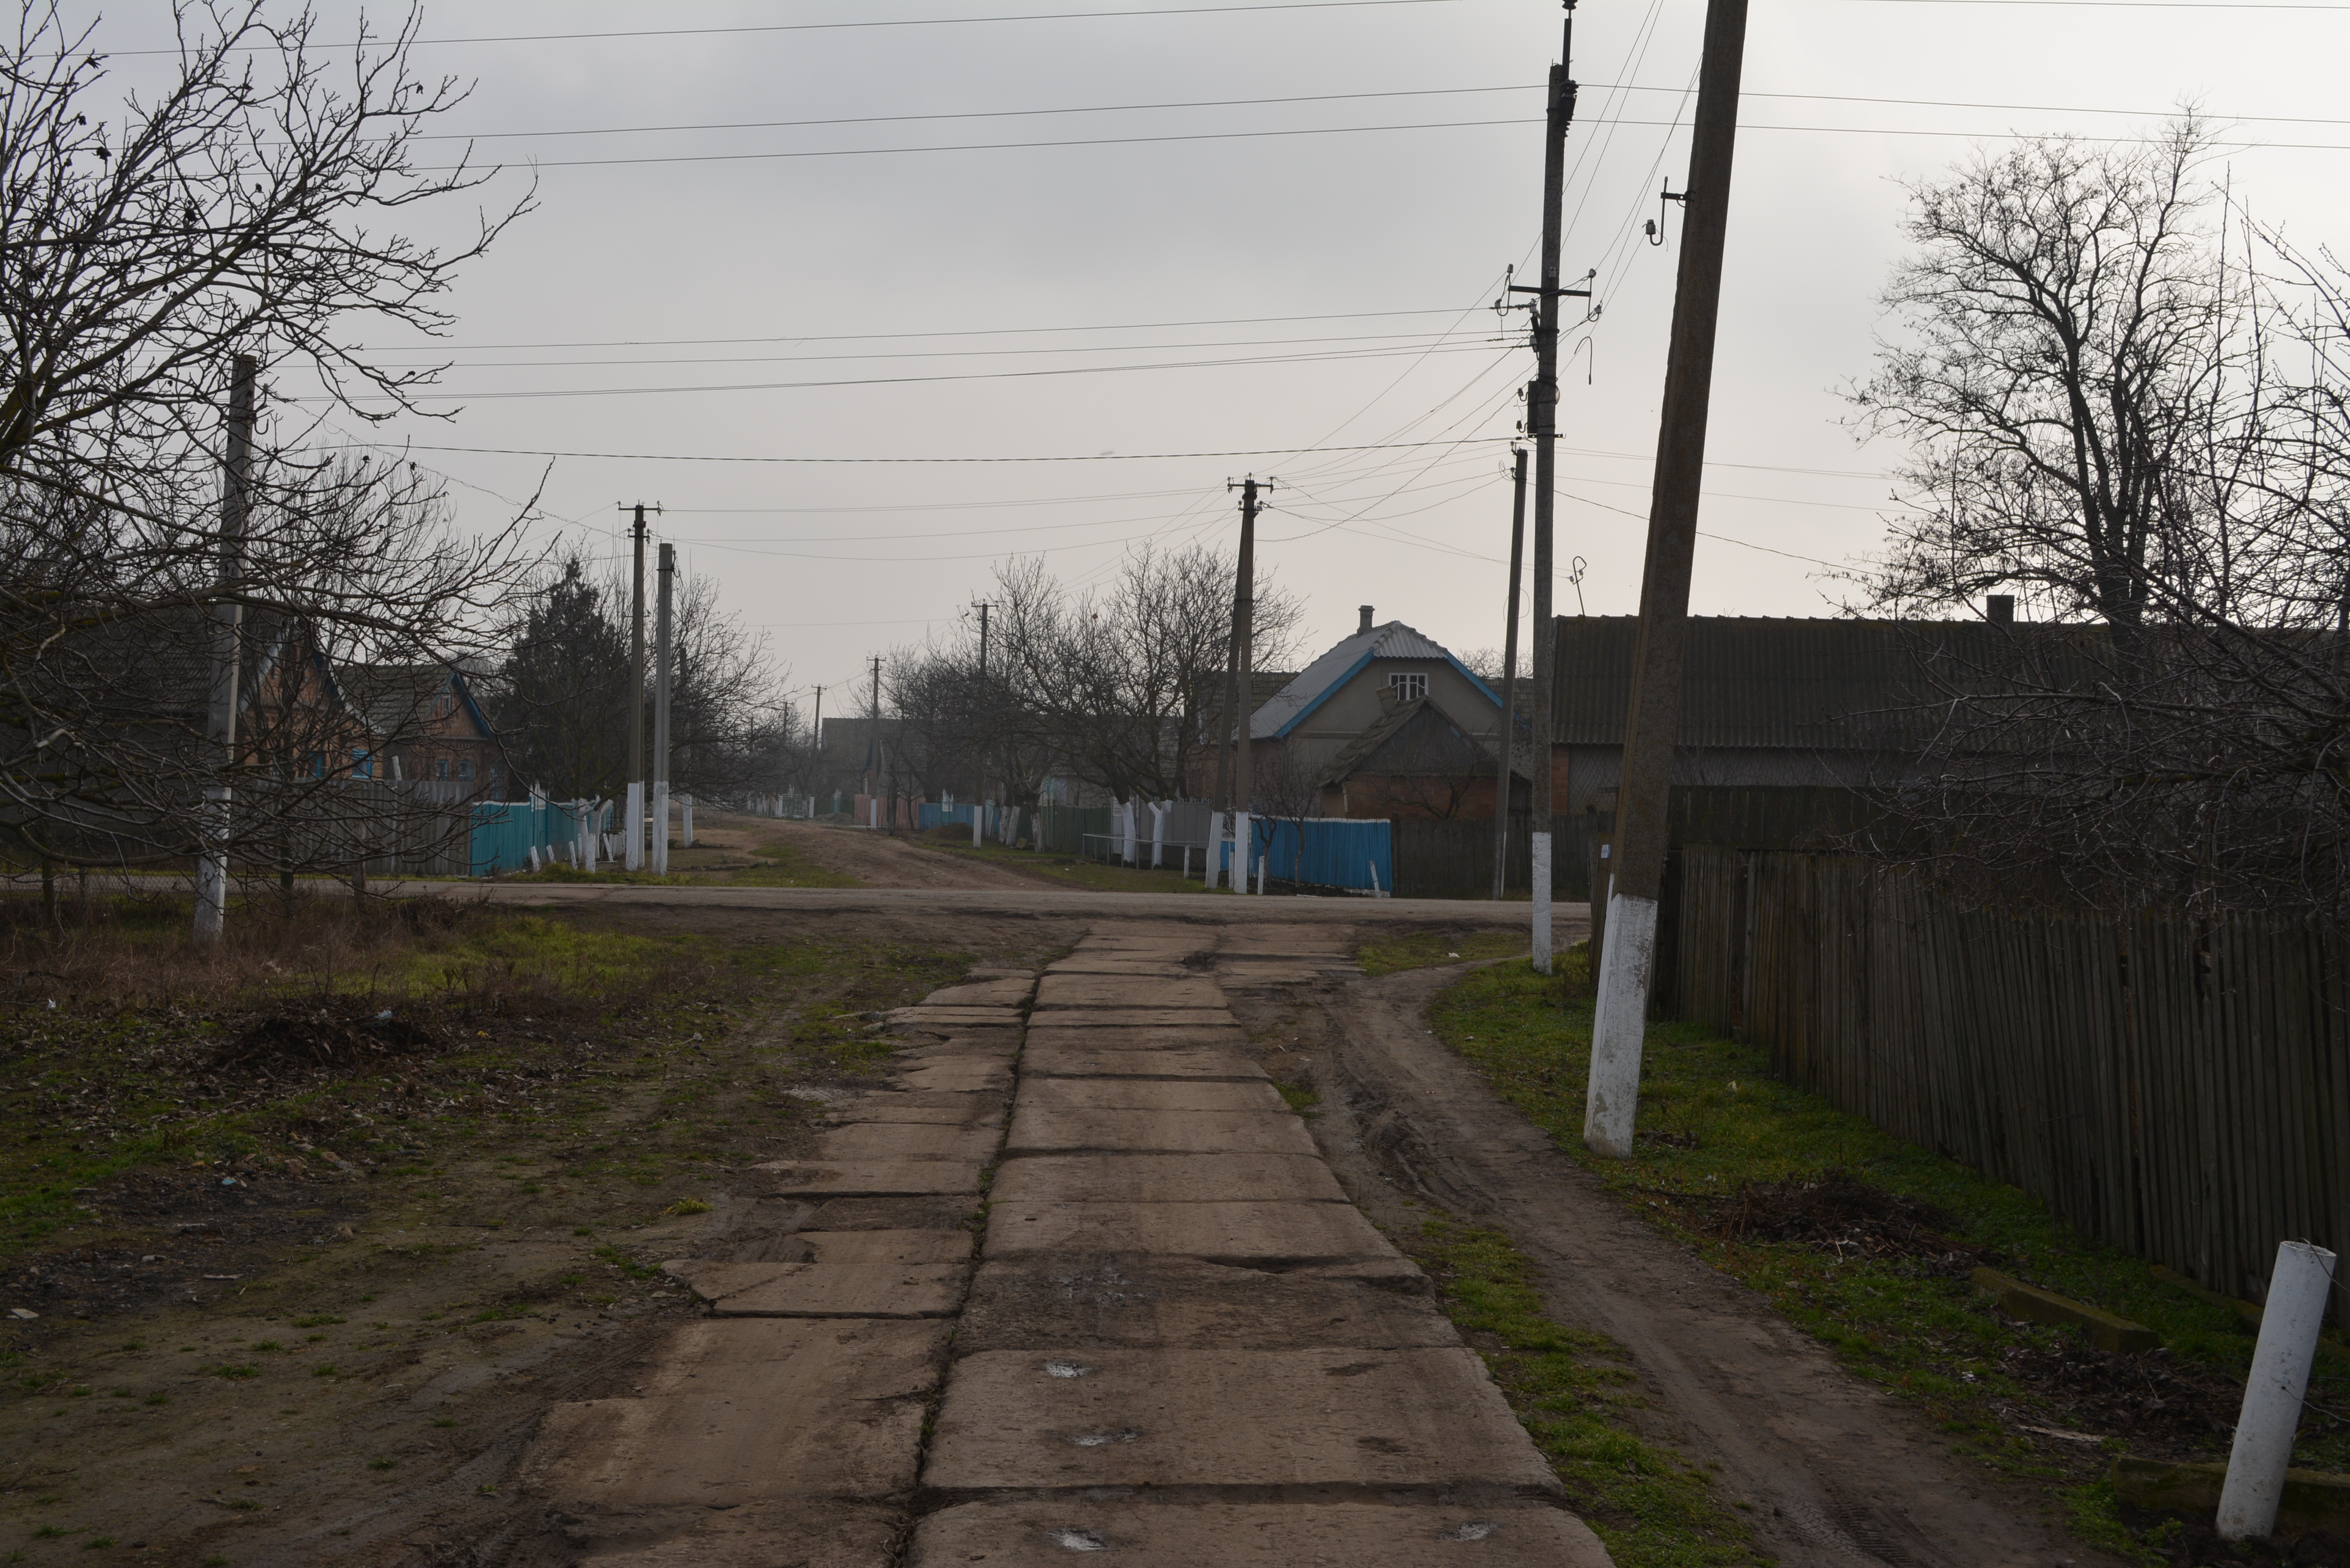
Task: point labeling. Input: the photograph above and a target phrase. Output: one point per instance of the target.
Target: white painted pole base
(978, 823)
(661, 828)
(2289, 1319)
(1619, 1025)
(632, 838)
(685, 835)
(1243, 840)
(1538, 852)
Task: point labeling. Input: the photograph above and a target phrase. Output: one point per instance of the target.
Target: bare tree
(249, 207)
(2100, 389)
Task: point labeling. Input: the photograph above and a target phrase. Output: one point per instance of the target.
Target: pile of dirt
(2162, 1409)
(329, 1034)
(1835, 1211)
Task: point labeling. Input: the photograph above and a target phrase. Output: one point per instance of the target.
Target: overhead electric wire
(843, 26)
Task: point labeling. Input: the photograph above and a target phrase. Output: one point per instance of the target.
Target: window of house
(465, 767)
(1409, 687)
(440, 767)
(362, 765)
(317, 766)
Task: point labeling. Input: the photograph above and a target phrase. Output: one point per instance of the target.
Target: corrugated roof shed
(1813, 685)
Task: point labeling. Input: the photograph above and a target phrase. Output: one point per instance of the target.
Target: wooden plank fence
(2172, 1085)
(1437, 858)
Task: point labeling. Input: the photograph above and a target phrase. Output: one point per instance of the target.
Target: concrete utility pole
(873, 749)
(979, 782)
(1509, 673)
(816, 748)
(227, 617)
(1243, 684)
(1652, 718)
(636, 793)
(662, 655)
(1542, 418)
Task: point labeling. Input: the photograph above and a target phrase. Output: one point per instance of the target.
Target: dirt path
(1839, 1472)
(878, 860)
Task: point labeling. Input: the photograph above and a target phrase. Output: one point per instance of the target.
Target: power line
(1334, 357)
(846, 26)
(1329, 97)
(652, 159)
(1073, 457)
(1360, 338)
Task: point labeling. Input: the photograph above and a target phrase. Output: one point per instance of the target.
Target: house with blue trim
(1389, 723)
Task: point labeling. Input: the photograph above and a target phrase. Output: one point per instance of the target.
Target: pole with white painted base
(1243, 841)
(1538, 869)
(1652, 712)
(2290, 1320)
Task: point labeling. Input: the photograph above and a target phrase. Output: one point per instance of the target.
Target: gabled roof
(396, 700)
(1313, 685)
(1442, 746)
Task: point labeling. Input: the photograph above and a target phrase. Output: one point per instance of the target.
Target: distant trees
(1109, 685)
(561, 694)
(2123, 404)
(249, 205)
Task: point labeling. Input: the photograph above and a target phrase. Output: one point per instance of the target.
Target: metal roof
(1813, 685)
(1314, 684)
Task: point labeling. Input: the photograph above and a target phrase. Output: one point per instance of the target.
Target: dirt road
(879, 859)
(1839, 1473)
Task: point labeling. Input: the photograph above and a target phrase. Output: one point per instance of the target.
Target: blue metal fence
(1333, 852)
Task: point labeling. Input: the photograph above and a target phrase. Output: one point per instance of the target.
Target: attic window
(1409, 687)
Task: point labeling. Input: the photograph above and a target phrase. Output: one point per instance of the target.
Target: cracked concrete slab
(1075, 1058)
(1133, 1017)
(1292, 1234)
(904, 1141)
(931, 1108)
(870, 1177)
(1150, 1095)
(1425, 1419)
(1095, 1300)
(808, 1535)
(1149, 1533)
(1062, 1028)
(1173, 1178)
(1058, 990)
(1038, 1126)
(959, 1073)
(747, 1410)
(1005, 993)
(861, 1290)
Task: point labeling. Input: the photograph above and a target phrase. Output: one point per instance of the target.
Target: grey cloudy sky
(1284, 291)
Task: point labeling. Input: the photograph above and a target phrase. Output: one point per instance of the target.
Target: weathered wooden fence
(2175, 1086)
(1454, 859)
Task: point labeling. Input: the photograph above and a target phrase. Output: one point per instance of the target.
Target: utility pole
(979, 782)
(227, 617)
(662, 653)
(816, 748)
(1510, 672)
(1542, 415)
(1242, 684)
(1653, 717)
(636, 792)
(873, 749)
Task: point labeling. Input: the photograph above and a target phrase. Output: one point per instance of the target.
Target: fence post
(2289, 1319)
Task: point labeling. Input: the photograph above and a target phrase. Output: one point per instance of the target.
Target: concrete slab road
(1182, 1345)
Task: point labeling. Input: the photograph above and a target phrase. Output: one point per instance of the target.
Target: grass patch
(1420, 950)
(1714, 1124)
(783, 865)
(1574, 1393)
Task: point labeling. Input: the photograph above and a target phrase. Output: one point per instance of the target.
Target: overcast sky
(694, 286)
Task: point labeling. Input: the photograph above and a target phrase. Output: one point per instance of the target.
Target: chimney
(1367, 621)
(2000, 609)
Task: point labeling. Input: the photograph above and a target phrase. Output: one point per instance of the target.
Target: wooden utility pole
(1541, 419)
(816, 749)
(1509, 673)
(636, 790)
(227, 619)
(1653, 717)
(1242, 686)
(662, 648)
(873, 749)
